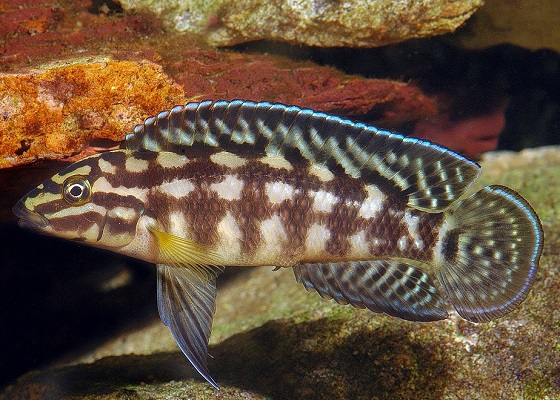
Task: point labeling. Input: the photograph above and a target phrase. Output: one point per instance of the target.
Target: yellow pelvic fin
(180, 252)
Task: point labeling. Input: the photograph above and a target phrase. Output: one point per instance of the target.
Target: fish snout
(29, 219)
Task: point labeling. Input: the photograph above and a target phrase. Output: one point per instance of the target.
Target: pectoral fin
(180, 252)
(186, 303)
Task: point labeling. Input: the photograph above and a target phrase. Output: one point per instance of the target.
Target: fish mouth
(29, 219)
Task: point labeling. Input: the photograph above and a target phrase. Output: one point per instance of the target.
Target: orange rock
(59, 111)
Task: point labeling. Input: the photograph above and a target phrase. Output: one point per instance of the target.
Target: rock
(72, 107)
(64, 108)
(272, 339)
(54, 104)
(213, 74)
(532, 25)
(323, 23)
(470, 136)
(66, 28)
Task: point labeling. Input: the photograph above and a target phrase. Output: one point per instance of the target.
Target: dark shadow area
(102, 377)
(58, 296)
(320, 360)
(109, 7)
(16, 182)
(282, 360)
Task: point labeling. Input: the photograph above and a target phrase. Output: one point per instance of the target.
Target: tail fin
(489, 253)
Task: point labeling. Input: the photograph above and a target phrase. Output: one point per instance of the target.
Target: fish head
(79, 204)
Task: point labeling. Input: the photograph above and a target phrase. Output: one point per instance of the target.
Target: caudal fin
(489, 252)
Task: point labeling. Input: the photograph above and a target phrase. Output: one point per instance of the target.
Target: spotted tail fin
(488, 253)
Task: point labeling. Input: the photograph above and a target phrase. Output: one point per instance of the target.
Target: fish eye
(76, 190)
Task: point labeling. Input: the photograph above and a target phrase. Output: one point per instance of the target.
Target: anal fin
(388, 286)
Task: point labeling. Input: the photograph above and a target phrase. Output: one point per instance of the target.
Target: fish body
(365, 217)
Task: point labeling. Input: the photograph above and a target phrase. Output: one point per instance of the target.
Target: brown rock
(212, 74)
(61, 110)
(35, 31)
(470, 136)
(27, 21)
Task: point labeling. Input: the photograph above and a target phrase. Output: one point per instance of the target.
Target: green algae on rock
(354, 23)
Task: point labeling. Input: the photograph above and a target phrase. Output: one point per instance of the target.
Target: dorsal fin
(430, 175)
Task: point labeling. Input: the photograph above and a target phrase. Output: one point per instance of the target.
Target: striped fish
(363, 216)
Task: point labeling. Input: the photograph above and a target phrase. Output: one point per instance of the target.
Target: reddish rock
(52, 109)
(471, 136)
(27, 22)
(36, 31)
(212, 74)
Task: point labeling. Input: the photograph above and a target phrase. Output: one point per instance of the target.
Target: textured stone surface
(354, 23)
(470, 136)
(274, 340)
(36, 31)
(54, 104)
(62, 109)
(67, 108)
(529, 24)
(212, 74)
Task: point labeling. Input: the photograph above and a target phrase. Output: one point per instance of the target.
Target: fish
(363, 216)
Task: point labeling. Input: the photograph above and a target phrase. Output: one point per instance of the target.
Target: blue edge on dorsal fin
(430, 175)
